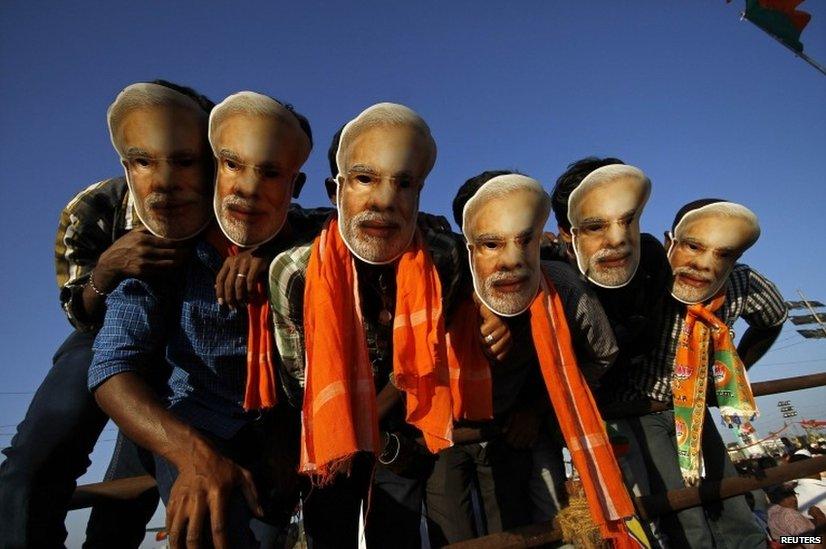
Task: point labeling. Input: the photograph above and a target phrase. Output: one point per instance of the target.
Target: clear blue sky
(706, 104)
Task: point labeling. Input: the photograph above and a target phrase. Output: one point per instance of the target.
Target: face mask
(375, 236)
(607, 245)
(699, 273)
(508, 212)
(170, 196)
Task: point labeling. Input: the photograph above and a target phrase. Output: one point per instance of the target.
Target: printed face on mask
(703, 253)
(503, 240)
(258, 160)
(378, 191)
(606, 230)
(168, 167)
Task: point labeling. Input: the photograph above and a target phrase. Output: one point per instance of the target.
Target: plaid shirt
(89, 224)
(749, 295)
(287, 279)
(517, 380)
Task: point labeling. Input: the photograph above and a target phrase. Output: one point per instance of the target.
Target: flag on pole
(780, 18)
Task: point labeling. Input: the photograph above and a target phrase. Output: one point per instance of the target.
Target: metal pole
(101, 492)
(800, 54)
(811, 310)
(760, 388)
(656, 505)
(708, 491)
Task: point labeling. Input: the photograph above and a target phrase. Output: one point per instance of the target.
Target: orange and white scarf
(339, 415)
(259, 392)
(471, 386)
(579, 419)
(576, 411)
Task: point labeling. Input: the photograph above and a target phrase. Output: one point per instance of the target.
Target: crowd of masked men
(364, 362)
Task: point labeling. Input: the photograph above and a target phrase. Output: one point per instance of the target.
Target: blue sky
(706, 104)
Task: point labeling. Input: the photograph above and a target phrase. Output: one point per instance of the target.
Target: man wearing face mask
(222, 448)
(599, 229)
(695, 357)
(597, 203)
(502, 223)
(502, 215)
(367, 303)
(106, 234)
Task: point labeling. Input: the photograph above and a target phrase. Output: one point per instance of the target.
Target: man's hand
(206, 479)
(522, 430)
(817, 516)
(238, 276)
(201, 493)
(494, 334)
(136, 254)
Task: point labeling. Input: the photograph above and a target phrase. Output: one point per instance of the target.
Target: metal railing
(535, 535)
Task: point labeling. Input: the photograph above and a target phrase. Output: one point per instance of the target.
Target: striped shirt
(749, 295)
(89, 224)
(286, 285)
(517, 380)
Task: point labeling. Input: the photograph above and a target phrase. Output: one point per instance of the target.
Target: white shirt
(810, 492)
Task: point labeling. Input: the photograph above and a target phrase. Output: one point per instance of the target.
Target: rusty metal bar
(760, 388)
(658, 504)
(684, 498)
(101, 492)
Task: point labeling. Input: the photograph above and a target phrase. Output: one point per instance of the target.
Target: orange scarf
(578, 417)
(690, 379)
(339, 415)
(471, 385)
(260, 387)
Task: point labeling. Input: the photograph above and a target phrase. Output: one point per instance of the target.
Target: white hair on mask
(250, 103)
(385, 115)
(140, 95)
(724, 209)
(500, 187)
(602, 176)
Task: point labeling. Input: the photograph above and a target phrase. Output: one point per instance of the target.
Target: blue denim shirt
(204, 345)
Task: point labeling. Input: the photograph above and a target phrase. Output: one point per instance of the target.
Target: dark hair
(798, 457)
(779, 492)
(570, 180)
(766, 462)
(330, 182)
(203, 101)
(302, 121)
(469, 188)
(692, 206)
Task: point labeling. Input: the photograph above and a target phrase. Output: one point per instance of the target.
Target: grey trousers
(652, 467)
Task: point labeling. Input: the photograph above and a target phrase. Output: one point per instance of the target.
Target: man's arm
(137, 254)
(755, 343)
(131, 336)
(591, 334)
(206, 478)
(765, 311)
(89, 264)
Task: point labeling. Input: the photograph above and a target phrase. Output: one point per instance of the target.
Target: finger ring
(241, 275)
(489, 338)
